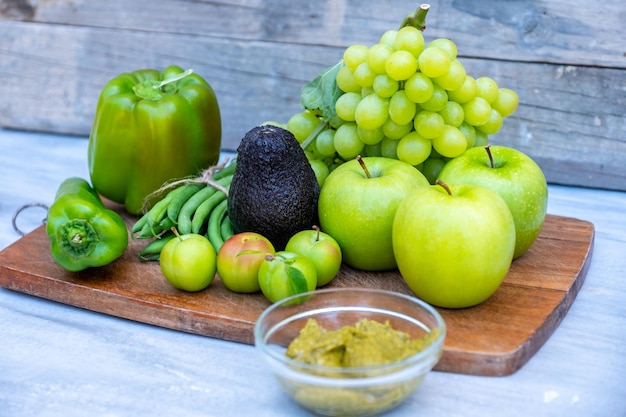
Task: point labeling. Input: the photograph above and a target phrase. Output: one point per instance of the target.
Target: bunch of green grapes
(405, 99)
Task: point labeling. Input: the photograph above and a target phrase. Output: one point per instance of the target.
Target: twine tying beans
(205, 177)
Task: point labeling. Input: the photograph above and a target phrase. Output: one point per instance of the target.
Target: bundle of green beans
(192, 207)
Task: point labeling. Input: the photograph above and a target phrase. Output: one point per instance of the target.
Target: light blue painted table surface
(58, 360)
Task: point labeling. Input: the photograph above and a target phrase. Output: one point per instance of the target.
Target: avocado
(274, 191)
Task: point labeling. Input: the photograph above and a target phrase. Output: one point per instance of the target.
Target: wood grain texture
(495, 338)
(564, 58)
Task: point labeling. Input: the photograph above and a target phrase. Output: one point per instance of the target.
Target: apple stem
(444, 185)
(367, 172)
(317, 229)
(488, 149)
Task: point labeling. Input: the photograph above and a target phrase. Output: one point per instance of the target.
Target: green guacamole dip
(368, 342)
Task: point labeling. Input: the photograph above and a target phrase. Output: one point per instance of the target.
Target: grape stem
(488, 149)
(305, 144)
(417, 18)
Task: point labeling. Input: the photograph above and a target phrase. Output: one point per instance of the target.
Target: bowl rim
(430, 354)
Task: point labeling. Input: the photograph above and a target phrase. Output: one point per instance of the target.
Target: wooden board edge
(510, 362)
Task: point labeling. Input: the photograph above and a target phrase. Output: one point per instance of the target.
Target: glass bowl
(349, 391)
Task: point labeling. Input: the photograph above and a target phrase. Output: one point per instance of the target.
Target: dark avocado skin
(274, 191)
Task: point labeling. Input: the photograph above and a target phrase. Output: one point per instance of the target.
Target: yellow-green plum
(321, 249)
(239, 259)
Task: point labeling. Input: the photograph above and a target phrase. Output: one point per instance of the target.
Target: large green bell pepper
(151, 127)
(83, 233)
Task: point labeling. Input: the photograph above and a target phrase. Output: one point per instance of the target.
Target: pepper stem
(173, 79)
(151, 89)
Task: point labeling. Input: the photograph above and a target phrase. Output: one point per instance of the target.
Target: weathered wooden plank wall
(566, 60)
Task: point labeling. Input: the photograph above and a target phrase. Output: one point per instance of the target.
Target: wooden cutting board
(494, 338)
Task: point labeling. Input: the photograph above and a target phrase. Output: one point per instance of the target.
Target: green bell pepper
(151, 127)
(83, 232)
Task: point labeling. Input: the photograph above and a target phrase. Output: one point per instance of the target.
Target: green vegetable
(83, 232)
(151, 127)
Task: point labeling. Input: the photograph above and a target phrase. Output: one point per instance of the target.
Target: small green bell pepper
(83, 232)
(151, 127)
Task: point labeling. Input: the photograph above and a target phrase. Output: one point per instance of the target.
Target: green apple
(453, 243)
(357, 204)
(321, 249)
(512, 174)
(239, 259)
(188, 262)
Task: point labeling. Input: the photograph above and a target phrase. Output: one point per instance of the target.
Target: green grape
(389, 148)
(452, 114)
(370, 137)
(363, 75)
(366, 91)
(401, 108)
(347, 142)
(410, 39)
(312, 152)
(437, 101)
(388, 38)
(355, 55)
(482, 139)
(451, 143)
(345, 80)
(493, 125)
(487, 88)
(413, 149)
(434, 62)
(506, 103)
(372, 112)
(301, 125)
(455, 77)
(385, 86)
(419, 88)
(469, 132)
(432, 167)
(345, 106)
(372, 150)
(446, 44)
(325, 142)
(400, 65)
(477, 111)
(394, 131)
(377, 56)
(465, 92)
(428, 124)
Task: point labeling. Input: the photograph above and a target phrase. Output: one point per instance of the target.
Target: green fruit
(321, 249)
(239, 259)
(285, 274)
(453, 248)
(274, 190)
(357, 209)
(515, 177)
(188, 262)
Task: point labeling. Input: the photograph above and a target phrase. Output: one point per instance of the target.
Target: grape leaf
(321, 94)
